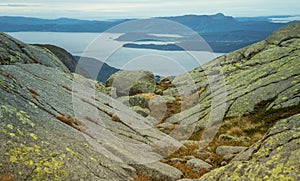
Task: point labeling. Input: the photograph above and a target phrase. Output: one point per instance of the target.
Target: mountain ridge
(218, 30)
(191, 21)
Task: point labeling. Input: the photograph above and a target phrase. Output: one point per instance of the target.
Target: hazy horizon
(292, 17)
(119, 9)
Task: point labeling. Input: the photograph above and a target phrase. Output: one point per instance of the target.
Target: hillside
(45, 138)
(241, 96)
(92, 65)
(57, 125)
(232, 101)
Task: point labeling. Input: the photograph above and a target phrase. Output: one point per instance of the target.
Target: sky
(114, 9)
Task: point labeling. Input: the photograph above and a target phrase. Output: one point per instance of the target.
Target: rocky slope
(269, 87)
(241, 95)
(275, 157)
(53, 129)
(65, 57)
(234, 101)
(13, 51)
(56, 125)
(261, 77)
(84, 66)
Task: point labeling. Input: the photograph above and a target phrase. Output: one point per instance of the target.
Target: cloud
(16, 5)
(96, 9)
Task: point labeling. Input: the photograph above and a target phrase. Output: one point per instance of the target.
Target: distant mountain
(223, 33)
(199, 23)
(16, 24)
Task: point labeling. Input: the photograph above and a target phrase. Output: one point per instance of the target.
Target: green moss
(24, 118)
(33, 136)
(13, 159)
(4, 131)
(21, 133)
(10, 126)
(32, 155)
(21, 115)
(45, 167)
(49, 168)
(33, 104)
(93, 159)
(69, 150)
(73, 153)
(12, 134)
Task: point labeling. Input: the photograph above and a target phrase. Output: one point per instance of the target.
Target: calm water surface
(105, 48)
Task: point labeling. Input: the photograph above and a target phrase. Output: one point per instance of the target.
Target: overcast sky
(106, 9)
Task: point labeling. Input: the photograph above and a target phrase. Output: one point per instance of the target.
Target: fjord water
(163, 63)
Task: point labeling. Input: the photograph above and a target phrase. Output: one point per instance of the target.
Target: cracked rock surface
(275, 157)
(56, 126)
(234, 84)
(263, 77)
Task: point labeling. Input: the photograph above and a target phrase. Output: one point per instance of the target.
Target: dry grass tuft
(188, 171)
(164, 83)
(71, 121)
(196, 136)
(184, 151)
(251, 127)
(234, 131)
(147, 96)
(67, 88)
(33, 93)
(115, 118)
(142, 177)
(145, 177)
(7, 177)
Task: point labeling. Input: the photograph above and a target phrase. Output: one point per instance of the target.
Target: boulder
(134, 101)
(128, 83)
(202, 154)
(142, 111)
(169, 99)
(159, 171)
(166, 126)
(198, 164)
(190, 143)
(223, 163)
(180, 160)
(189, 157)
(229, 150)
(233, 138)
(171, 92)
(229, 156)
(158, 107)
